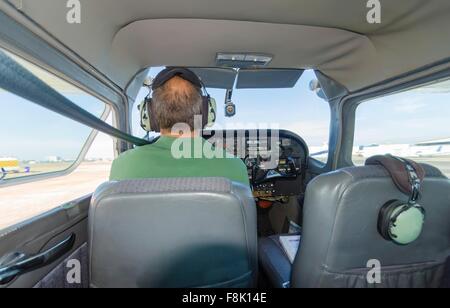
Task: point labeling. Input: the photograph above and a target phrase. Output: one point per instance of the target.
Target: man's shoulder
(138, 150)
(231, 161)
(234, 160)
(134, 153)
(236, 169)
(130, 163)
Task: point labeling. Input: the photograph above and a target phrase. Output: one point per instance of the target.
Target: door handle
(31, 263)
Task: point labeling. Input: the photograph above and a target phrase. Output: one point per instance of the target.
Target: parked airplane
(9, 164)
(429, 148)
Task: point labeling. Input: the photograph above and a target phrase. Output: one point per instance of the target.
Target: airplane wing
(441, 87)
(435, 142)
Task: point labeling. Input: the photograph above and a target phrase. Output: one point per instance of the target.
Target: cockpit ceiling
(195, 42)
(120, 38)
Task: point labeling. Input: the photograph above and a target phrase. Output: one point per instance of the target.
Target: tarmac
(21, 202)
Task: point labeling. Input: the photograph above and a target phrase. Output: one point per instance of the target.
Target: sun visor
(219, 78)
(268, 78)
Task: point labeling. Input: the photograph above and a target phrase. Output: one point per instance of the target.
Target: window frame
(349, 104)
(32, 43)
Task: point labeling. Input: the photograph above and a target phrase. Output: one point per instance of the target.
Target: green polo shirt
(178, 157)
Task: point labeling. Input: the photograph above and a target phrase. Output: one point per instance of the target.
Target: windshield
(297, 109)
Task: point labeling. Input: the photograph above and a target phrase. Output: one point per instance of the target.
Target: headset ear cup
(205, 107)
(148, 120)
(145, 119)
(154, 125)
(384, 218)
(408, 223)
(212, 111)
(209, 109)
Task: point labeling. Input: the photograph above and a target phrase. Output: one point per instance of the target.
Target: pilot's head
(176, 99)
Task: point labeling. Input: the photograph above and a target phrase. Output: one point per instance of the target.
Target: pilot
(176, 102)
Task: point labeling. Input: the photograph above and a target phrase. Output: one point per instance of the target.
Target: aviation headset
(399, 221)
(209, 107)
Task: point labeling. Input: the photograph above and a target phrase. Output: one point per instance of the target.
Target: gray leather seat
(274, 262)
(179, 232)
(340, 232)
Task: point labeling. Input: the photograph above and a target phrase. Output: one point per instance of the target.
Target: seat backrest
(340, 234)
(177, 232)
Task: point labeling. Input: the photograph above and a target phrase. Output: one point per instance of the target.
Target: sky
(406, 118)
(30, 132)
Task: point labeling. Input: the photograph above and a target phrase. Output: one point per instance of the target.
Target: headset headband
(406, 174)
(170, 72)
(415, 180)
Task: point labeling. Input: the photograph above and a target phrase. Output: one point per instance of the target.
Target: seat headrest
(398, 171)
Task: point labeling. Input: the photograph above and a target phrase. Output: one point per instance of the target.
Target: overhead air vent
(243, 60)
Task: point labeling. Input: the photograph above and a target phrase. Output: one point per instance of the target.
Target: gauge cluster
(276, 161)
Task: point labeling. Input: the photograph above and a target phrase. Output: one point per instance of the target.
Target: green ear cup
(408, 225)
(145, 117)
(212, 112)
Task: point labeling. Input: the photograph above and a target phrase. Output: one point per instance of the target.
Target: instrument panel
(276, 160)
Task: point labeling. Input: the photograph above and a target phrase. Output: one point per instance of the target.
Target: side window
(412, 124)
(36, 142)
